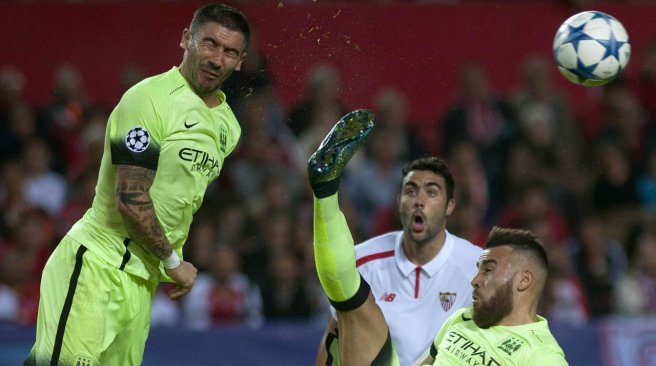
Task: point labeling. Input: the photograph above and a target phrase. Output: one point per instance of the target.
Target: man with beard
(502, 326)
(166, 141)
(393, 292)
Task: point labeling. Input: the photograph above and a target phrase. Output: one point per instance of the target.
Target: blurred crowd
(580, 174)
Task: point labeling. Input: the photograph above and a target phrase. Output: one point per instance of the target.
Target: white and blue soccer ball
(591, 48)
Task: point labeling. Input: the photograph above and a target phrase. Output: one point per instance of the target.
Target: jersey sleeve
(548, 356)
(135, 131)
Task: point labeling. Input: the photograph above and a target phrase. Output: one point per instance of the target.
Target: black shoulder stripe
(121, 155)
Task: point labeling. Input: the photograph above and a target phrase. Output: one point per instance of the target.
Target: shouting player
(364, 336)
(418, 276)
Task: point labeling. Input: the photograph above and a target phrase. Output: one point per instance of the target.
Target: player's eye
(231, 53)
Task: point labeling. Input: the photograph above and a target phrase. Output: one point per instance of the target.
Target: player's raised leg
(363, 333)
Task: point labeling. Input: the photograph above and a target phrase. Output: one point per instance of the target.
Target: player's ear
(450, 206)
(526, 279)
(186, 35)
(241, 60)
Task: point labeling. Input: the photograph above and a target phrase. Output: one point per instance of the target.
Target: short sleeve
(549, 356)
(135, 131)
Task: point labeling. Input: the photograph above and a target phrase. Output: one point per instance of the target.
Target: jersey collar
(219, 94)
(431, 268)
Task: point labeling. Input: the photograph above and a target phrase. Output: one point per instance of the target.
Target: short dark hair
(435, 165)
(522, 240)
(225, 15)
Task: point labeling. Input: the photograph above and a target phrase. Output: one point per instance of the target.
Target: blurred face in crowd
(424, 206)
(493, 286)
(212, 53)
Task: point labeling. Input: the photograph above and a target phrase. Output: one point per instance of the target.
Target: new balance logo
(387, 297)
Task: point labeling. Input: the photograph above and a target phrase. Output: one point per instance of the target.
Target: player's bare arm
(133, 201)
(136, 206)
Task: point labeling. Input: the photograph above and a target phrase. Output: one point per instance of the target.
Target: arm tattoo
(133, 200)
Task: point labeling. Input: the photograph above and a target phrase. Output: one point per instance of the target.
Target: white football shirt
(417, 300)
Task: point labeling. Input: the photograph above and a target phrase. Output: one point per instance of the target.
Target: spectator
(286, 293)
(83, 190)
(645, 84)
(647, 184)
(625, 123)
(599, 262)
(17, 127)
(636, 289)
(64, 117)
(473, 186)
(322, 90)
(533, 203)
(564, 300)
(391, 108)
(479, 115)
(25, 254)
(382, 166)
(482, 117)
(13, 202)
(538, 93)
(44, 187)
(223, 296)
(615, 188)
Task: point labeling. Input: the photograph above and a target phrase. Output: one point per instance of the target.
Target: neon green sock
(334, 251)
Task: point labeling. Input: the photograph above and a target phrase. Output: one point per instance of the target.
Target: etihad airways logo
(201, 161)
(467, 351)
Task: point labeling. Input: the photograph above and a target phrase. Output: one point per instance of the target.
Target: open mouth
(418, 222)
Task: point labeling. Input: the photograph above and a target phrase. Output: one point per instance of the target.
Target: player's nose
(475, 281)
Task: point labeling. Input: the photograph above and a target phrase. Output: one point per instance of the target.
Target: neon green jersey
(461, 342)
(162, 125)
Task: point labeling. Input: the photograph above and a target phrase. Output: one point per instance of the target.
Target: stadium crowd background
(575, 165)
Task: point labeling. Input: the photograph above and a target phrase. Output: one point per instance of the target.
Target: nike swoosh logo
(464, 318)
(190, 125)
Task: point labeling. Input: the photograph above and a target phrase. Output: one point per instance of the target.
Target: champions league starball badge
(137, 139)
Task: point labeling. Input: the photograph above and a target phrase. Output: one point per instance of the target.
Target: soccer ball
(591, 48)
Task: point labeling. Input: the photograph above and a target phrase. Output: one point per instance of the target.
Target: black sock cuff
(326, 189)
(356, 300)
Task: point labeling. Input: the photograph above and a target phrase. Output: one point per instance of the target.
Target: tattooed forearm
(133, 201)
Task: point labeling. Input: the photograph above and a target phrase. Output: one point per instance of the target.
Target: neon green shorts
(90, 313)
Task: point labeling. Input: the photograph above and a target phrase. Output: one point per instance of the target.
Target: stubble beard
(420, 239)
(492, 311)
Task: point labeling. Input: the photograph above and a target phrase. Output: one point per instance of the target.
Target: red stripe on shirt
(371, 257)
